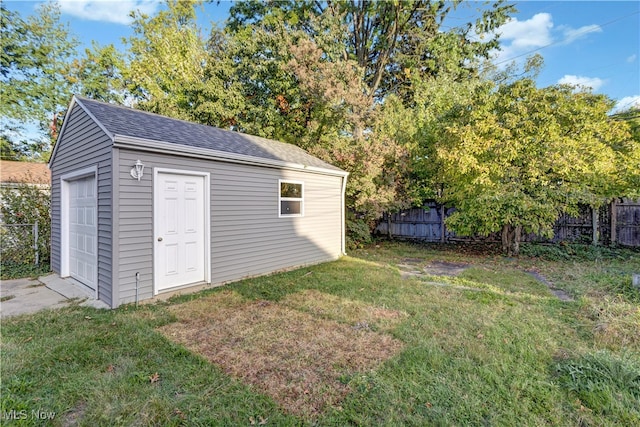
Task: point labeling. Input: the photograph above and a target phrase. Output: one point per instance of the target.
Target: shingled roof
(24, 173)
(124, 123)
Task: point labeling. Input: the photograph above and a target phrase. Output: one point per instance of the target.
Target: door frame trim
(207, 222)
(65, 270)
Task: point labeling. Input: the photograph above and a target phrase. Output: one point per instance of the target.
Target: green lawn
(492, 346)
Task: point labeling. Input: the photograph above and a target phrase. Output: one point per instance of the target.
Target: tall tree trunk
(516, 240)
(506, 239)
(511, 239)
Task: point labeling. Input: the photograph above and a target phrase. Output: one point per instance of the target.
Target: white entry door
(181, 234)
(83, 230)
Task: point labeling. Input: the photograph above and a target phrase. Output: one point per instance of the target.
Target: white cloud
(520, 38)
(572, 34)
(591, 82)
(116, 12)
(626, 103)
(631, 59)
(534, 32)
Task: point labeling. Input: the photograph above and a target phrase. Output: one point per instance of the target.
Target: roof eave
(124, 141)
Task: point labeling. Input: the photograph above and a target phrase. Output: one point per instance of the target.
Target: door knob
(159, 239)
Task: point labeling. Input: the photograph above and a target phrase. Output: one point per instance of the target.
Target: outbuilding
(144, 204)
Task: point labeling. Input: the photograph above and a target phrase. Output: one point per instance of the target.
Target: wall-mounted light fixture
(138, 170)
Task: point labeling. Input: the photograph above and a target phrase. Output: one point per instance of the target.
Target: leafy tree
(320, 75)
(98, 75)
(632, 117)
(39, 72)
(35, 66)
(8, 149)
(514, 157)
(629, 156)
(217, 99)
(433, 100)
(22, 149)
(391, 41)
(14, 149)
(172, 71)
(274, 107)
(335, 107)
(166, 61)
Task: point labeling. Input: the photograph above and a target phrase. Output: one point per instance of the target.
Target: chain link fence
(25, 225)
(20, 243)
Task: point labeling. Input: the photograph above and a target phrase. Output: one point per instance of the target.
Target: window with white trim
(291, 198)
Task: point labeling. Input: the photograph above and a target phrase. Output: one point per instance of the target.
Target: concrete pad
(10, 286)
(30, 299)
(185, 290)
(23, 296)
(67, 287)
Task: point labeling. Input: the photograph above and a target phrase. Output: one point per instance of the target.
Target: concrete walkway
(22, 296)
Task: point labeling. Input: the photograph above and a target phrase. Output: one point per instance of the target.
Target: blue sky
(591, 43)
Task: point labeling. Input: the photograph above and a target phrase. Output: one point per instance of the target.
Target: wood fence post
(442, 226)
(35, 242)
(594, 223)
(614, 221)
(389, 235)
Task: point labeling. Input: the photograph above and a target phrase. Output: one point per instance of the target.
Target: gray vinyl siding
(84, 144)
(247, 236)
(135, 227)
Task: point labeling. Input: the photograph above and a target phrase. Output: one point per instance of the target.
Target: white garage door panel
(83, 260)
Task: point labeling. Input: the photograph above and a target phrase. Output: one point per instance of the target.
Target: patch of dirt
(410, 267)
(296, 358)
(73, 416)
(559, 293)
(441, 268)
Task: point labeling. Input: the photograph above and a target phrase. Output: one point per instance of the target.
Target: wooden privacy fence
(616, 223)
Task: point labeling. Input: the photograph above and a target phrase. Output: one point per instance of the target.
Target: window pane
(288, 189)
(288, 207)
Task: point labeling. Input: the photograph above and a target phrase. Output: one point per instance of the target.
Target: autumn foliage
(411, 108)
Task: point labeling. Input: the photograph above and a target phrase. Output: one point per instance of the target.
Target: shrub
(25, 204)
(9, 270)
(575, 251)
(358, 232)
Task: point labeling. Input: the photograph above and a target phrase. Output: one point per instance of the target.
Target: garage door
(83, 260)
